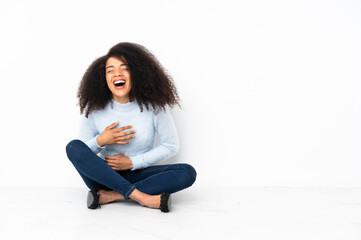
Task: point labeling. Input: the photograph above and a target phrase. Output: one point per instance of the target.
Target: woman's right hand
(112, 135)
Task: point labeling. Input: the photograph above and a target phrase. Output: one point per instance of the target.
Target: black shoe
(93, 199)
(165, 202)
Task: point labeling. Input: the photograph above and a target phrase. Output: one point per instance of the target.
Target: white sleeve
(168, 142)
(88, 133)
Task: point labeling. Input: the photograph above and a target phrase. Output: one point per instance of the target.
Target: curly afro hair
(151, 85)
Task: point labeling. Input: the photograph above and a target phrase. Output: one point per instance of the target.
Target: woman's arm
(90, 135)
(168, 142)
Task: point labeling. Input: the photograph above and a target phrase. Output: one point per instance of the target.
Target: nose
(118, 74)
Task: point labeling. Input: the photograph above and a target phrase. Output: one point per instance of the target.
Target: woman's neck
(121, 99)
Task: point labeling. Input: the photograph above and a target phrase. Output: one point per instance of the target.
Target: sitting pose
(125, 98)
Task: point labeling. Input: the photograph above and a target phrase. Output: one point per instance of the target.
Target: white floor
(197, 213)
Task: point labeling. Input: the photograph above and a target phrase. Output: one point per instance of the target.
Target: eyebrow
(113, 66)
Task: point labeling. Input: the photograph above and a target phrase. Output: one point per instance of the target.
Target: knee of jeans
(190, 174)
(71, 148)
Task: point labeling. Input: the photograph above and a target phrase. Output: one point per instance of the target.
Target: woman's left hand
(119, 162)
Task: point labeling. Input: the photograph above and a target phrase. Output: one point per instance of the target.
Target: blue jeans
(97, 174)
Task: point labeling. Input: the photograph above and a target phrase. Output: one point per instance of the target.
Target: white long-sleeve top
(142, 149)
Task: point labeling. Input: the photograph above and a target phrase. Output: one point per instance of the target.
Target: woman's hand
(112, 135)
(119, 162)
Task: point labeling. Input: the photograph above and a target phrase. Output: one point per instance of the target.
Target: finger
(113, 125)
(121, 134)
(119, 154)
(122, 143)
(120, 129)
(111, 164)
(116, 157)
(124, 138)
(115, 168)
(111, 159)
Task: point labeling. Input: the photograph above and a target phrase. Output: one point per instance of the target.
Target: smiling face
(118, 79)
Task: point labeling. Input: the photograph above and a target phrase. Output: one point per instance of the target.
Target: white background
(270, 89)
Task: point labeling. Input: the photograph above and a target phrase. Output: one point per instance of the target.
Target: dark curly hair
(151, 85)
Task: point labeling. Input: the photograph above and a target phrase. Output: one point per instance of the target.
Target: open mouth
(119, 83)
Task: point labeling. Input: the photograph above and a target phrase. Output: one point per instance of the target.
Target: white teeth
(119, 81)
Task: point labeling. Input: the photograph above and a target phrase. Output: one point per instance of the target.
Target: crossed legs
(143, 186)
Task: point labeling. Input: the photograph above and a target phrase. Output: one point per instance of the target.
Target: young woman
(124, 98)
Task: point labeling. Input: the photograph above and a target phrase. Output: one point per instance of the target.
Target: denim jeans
(97, 174)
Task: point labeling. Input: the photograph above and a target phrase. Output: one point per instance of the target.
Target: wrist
(130, 163)
(100, 141)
